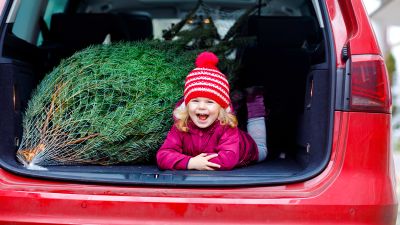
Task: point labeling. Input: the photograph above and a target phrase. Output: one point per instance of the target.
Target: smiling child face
(203, 111)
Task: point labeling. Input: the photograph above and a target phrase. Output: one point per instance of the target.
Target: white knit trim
(221, 77)
(202, 79)
(194, 84)
(207, 90)
(208, 69)
(222, 82)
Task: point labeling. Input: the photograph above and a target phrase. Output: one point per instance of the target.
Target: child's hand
(200, 162)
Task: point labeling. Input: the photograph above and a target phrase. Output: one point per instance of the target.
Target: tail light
(370, 89)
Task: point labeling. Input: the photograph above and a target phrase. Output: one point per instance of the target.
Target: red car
(326, 88)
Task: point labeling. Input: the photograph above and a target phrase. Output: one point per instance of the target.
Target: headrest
(283, 31)
(83, 29)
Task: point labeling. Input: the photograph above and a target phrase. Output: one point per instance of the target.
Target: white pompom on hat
(207, 81)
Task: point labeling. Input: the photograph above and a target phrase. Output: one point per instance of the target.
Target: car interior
(291, 58)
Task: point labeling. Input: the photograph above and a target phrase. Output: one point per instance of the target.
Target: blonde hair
(181, 114)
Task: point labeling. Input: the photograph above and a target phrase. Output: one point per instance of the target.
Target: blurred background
(385, 18)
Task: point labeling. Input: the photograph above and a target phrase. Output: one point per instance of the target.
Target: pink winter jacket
(235, 148)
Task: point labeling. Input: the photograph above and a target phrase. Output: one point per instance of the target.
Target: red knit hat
(207, 81)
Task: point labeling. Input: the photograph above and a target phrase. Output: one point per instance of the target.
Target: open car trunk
(291, 59)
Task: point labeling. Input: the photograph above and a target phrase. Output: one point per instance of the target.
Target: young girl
(205, 135)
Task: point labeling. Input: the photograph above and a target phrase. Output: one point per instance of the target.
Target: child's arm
(228, 150)
(170, 156)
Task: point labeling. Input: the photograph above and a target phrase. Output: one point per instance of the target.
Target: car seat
(280, 61)
(69, 33)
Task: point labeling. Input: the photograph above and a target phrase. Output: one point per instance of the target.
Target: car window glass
(30, 13)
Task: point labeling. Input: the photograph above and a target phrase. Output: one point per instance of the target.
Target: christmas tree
(105, 105)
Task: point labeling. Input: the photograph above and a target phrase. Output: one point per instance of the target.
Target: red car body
(357, 186)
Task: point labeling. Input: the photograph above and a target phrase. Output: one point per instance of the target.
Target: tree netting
(105, 105)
